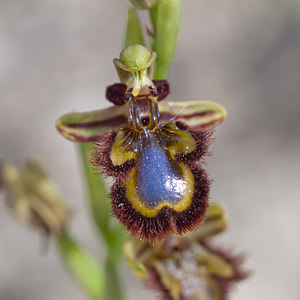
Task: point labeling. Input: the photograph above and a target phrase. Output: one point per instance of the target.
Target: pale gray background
(56, 56)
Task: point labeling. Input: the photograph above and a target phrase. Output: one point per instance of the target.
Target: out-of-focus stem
(83, 266)
(112, 232)
(114, 288)
(98, 194)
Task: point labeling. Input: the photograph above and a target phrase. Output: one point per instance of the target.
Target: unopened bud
(34, 198)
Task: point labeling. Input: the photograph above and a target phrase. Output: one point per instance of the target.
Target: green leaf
(82, 266)
(134, 30)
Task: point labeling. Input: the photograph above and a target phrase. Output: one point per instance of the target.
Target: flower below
(187, 268)
(152, 149)
(34, 198)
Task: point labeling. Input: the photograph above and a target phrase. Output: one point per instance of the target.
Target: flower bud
(34, 198)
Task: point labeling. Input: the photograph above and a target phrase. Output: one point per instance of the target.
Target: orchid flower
(153, 149)
(188, 267)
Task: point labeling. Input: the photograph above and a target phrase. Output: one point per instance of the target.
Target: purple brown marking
(169, 116)
(113, 121)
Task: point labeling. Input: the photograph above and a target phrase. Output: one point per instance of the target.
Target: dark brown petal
(163, 88)
(115, 93)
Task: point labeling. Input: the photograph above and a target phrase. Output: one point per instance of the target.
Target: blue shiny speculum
(158, 180)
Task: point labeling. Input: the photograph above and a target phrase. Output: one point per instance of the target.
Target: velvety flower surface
(153, 149)
(189, 267)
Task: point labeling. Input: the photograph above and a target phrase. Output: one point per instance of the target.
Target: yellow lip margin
(138, 205)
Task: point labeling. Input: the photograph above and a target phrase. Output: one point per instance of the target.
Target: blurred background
(56, 57)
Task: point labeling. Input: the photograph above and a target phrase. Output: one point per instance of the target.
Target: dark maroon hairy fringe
(167, 221)
(100, 158)
(236, 261)
(203, 140)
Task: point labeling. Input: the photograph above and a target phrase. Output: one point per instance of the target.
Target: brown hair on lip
(167, 221)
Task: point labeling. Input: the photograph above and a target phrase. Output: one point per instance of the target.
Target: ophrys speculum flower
(152, 149)
(188, 267)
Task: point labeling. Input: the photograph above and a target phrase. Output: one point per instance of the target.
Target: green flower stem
(112, 232)
(98, 194)
(114, 288)
(83, 266)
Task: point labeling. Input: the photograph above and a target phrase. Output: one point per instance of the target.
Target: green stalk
(83, 266)
(112, 233)
(114, 288)
(98, 193)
